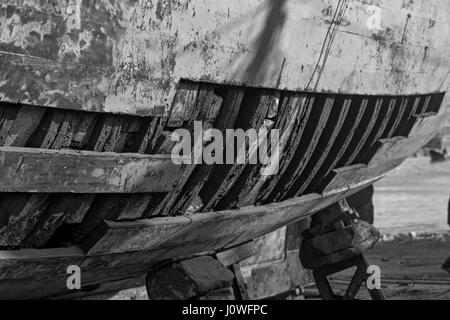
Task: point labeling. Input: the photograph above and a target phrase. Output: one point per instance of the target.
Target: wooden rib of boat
(91, 91)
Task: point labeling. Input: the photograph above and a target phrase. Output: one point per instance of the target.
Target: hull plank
(371, 126)
(257, 107)
(356, 113)
(27, 121)
(292, 128)
(48, 171)
(9, 114)
(310, 140)
(158, 233)
(136, 206)
(105, 137)
(401, 113)
(403, 131)
(22, 219)
(226, 119)
(330, 141)
(209, 111)
(382, 112)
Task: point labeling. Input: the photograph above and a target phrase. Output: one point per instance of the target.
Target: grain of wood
(63, 171)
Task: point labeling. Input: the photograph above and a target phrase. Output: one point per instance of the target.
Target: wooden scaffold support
(336, 241)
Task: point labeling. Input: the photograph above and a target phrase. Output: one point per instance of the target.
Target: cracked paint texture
(128, 56)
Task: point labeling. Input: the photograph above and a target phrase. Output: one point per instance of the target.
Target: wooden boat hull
(134, 248)
(354, 88)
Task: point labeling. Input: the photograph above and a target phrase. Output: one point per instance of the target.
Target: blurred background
(414, 198)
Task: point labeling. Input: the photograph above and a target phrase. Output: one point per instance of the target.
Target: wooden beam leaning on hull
(49, 171)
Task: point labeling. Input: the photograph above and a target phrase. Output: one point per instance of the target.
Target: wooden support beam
(188, 279)
(49, 171)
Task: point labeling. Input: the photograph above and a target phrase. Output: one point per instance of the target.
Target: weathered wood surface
(141, 235)
(201, 175)
(310, 140)
(22, 211)
(327, 144)
(37, 273)
(65, 171)
(234, 255)
(128, 56)
(292, 116)
(99, 133)
(24, 274)
(205, 230)
(276, 277)
(257, 106)
(188, 279)
(356, 114)
(208, 109)
(371, 126)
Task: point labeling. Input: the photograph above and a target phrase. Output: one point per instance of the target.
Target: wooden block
(185, 97)
(237, 254)
(188, 279)
(268, 280)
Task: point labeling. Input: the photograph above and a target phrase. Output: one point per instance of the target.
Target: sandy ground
(410, 269)
(413, 198)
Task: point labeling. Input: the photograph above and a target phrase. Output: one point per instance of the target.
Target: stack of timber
(91, 92)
